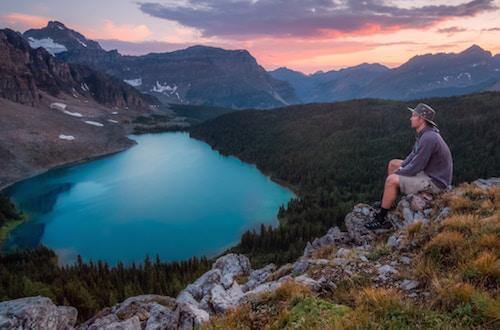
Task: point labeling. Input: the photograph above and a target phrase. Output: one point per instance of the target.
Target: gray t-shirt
(431, 155)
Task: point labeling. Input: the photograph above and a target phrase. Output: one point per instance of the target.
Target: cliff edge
(439, 267)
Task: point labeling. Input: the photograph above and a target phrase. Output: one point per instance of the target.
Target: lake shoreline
(63, 164)
(209, 149)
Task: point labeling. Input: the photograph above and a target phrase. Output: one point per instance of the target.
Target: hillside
(54, 113)
(440, 268)
(336, 154)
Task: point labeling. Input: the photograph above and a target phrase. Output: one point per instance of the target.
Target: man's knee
(393, 165)
(392, 180)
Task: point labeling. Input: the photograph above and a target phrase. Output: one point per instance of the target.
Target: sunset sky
(305, 35)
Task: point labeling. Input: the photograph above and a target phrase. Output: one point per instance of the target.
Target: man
(428, 167)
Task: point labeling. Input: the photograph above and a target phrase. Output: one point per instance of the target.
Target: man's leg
(391, 189)
(393, 166)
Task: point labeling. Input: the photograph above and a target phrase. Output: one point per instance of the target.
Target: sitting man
(428, 167)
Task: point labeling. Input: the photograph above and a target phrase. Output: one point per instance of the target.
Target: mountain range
(202, 75)
(195, 75)
(430, 75)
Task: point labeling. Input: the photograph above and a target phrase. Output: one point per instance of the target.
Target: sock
(383, 212)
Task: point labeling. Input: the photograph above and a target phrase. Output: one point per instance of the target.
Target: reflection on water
(169, 195)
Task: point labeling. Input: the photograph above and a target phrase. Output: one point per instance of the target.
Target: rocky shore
(383, 257)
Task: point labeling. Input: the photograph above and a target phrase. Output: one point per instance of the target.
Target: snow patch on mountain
(81, 42)
(50, 45)
(464, 74)
(133, 82)
(74, 114)
(94, 123)
(160, 88)
(66, 137)
(58, 106)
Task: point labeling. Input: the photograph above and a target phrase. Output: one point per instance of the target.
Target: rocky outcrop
(36, 313)
(25, 72)
(326, 262)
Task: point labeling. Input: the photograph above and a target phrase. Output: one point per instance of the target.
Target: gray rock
(162, 318)
(232, 265)
(300, 266)
(190, 316)
(186, 297)
(418, 202)
(408, 216)
(386, 270)
(207, 281)
(363, 258)
(445, 212)
(147, 309)
(405, 260)
(267, 287)
(343, 253)
(333, 236)
(355, 222)
(309, 282)
(308, 250)
(409, 285)
(36, 313)
(393, 241)
(340, 261)
(319, 262)
(487, 183)
(222, 300)
(258, 277)
(129, 324)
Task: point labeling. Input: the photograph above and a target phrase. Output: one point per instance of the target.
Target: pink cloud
(23, 21)
(124, 32)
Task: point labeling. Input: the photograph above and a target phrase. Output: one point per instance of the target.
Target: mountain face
(443, 74)
(57, 38)
(54, 113)
(196, 75)
(25, 72)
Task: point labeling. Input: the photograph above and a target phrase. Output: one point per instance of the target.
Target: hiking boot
(379, 222)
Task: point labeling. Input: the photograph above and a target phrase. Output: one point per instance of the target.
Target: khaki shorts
(419, 182)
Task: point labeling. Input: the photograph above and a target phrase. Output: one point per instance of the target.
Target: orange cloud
(125, 32)
(23, 21)
(367, 30)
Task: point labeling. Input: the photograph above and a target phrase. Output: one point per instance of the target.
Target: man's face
(416, 120)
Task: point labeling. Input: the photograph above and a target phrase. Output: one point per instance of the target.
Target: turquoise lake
(169, 195)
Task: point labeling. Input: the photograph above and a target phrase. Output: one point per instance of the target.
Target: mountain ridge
(199, 75)
(428, 75)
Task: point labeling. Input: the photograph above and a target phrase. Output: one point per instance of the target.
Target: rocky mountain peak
(57, 38)
(52, 25)
(475, 50)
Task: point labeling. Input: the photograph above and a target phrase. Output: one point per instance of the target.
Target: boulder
(355, 222)
(258, 277)
(146, 311)
(223, 300)
(409, 285)
(232, 265)
(36, 313)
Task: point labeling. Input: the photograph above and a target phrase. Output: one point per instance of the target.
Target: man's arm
(409, 157)
(420, 158)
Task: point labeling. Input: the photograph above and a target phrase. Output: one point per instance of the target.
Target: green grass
(312, 312)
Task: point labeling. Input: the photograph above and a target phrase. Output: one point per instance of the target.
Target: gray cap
(426, 112)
